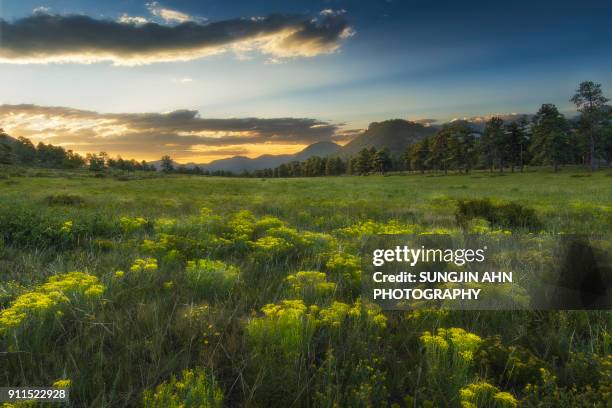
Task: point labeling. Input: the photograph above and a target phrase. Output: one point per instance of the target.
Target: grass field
(245, 292)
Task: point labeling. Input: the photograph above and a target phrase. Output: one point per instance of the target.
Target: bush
(449, 357)
(485, 395)
(280, 342)
(50, 300)
(195, 389)
(211, 278)
(503, 214)
(311, 286)
(64, 199)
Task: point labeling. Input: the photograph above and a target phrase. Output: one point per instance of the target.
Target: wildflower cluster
(242, 226)
(295, 314)
(63, 383)
(208, 277)
(463, 343)
(344, 265)
(195, 389)
(310, 285)
(49, 298)
(483, 394)
(146, 265)
(129, 225)
(449, 357)
(370, 227)
(66, 227)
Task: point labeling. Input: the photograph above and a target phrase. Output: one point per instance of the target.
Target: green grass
(158, 318)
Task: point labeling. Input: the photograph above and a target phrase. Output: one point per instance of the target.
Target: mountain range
(395, 135)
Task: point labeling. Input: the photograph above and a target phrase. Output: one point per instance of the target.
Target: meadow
(160, 290)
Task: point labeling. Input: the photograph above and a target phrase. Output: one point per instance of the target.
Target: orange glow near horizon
(131, 137)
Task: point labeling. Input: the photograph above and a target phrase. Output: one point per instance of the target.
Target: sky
(203, 80)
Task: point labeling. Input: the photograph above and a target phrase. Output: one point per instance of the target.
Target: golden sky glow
(182, 134)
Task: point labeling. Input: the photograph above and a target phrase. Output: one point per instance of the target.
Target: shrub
(144, 265)
(49, 300)
(485, 395)
(502, 214)
(448, 356)
(514, 364)
(280, 341)
(310, 286)
(345, 267)
(195, 389)
(211, 278)
(266, 223)
(64, 199)
(370, 227)
(131, 225)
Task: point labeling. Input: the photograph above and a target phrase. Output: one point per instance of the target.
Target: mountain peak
(394, 134)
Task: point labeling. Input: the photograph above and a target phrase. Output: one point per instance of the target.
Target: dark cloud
(47, 38)
(180, 131)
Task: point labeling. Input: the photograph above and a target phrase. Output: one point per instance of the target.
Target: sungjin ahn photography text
(318, 204)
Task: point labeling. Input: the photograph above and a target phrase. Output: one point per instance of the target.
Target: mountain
(238, 164)
(478, 123)
(321, 149)
(395, 135)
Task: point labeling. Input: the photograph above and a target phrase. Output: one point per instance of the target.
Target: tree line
(548, 138)
(22, 151)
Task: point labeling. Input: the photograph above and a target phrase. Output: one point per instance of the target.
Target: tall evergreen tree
(440, 153)
(516, 143)
(166, 164)
(550, 140)
(381, 161)
(461, 147)
(591, 103)
(362, 162)
(417, 155)
(492, 143)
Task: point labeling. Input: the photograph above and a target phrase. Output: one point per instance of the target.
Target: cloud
(146, 135)
(44, 38)
(41, 10)
(136, 20)
(169, 15)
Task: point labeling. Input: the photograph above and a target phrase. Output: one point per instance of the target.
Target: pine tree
(516, 137)
(362, 162)
(381, 161)
(550, 140)
(591, 103)
(492, 143)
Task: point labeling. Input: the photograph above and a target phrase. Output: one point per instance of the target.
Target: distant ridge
(395, 135)
(238, 164)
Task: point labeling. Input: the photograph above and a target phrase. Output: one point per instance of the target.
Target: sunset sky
(201, 80)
